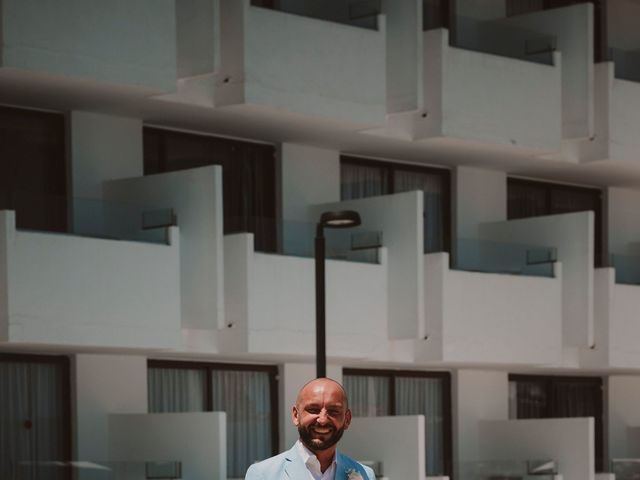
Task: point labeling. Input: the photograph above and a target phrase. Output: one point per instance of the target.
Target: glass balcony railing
(625, 468)
(296, 238)
(88, 217)
(507, 470)
(627, 268)
(357, 13)
(89, 470)
(497, 257)
(627, 63)
(494, 37)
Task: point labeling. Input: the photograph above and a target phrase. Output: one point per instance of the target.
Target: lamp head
(343, 219)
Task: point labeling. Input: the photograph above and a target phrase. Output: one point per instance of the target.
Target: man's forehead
(323, 390)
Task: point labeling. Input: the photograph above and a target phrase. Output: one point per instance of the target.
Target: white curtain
(361, 181)
(245, 396)
(423, 396)
(32, 420)
(368, 395)
(176, 390)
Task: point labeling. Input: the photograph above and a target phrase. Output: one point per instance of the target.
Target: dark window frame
(65, 363)
(548, 381)
(208, 367)
(446, 400)
(390, 168)
(600, 227)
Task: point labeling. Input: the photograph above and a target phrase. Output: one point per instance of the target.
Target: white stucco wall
(296, 78)
(195, 195)
(399, 218)
(569, 441)
(404, 54)
(68, 290)
(573, 28)
(479, 196)
(572, 235)
(478, 395)
(103, 147)
(197, 439)
(510, 319)
(492, 107)
(121, 42)
(624, 113)
(195, 37)
(103, 385)
(624, 329)
(623, 416)
(379, 439)
(310, 176)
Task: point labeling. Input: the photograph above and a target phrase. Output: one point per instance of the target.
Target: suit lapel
(341, 467)
(294, 468)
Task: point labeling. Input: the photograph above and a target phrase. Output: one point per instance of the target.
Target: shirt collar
(309, 458)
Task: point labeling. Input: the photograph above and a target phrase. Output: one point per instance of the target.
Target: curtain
(526, 200)
(433, 186)
(176, 390)
(423, 396)
(360, 181)
(245, 396)
(31, 392)
(532, 399)
(368, 395)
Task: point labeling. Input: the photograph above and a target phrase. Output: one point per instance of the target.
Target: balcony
(616, 307)
(262, 57)
(127, 44)
(67, 289)
(522, 98)
(270, 297)
(503, 319)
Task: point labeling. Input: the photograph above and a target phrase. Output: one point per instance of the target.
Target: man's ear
(295, 418)
(347, 419)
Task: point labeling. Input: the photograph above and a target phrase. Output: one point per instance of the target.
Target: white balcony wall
(573, 28)
(569, 441)
(67, 290)
(616, 328)
(197, 439)
(105, 384)
(572, 234)
(314, 67)
(398, 442)
(118, 42)
(276, 304)
(196, 37)
(624, 113)
(509, 101)
(195, 195)
(623, 218)
(504, 319)
(399, 218)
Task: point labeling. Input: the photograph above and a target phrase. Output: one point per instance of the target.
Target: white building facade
(163, 165)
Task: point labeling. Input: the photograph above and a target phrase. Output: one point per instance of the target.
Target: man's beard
(317, 444)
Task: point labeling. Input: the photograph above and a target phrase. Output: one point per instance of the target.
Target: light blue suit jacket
(289, 466)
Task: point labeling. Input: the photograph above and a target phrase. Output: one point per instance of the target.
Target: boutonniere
(353, 474)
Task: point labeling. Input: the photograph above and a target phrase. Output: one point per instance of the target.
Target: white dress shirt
(313, 464)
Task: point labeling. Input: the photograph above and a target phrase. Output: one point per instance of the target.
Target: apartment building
(164, 164)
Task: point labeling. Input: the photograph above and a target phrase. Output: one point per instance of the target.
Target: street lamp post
(344, 219)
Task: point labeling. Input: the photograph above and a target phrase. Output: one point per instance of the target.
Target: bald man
(321, 415)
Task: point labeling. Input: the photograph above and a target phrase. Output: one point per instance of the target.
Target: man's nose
(323, 418)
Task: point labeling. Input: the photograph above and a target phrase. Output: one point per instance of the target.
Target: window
(248, 176)
(33, 169)
(528, 198)
(390, 392)
(248, 394)
(35, 416)
(360, 178)
(532, 396)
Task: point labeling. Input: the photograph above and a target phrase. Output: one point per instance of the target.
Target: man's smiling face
(321, 414)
